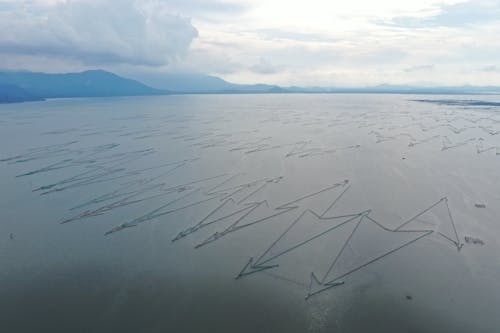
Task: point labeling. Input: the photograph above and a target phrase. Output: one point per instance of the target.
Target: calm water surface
(250, 213)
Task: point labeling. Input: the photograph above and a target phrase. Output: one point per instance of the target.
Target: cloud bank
(96, 32)
(313, 42)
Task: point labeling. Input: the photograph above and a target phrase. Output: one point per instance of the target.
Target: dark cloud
(419, 68)
(98, 32)
(264, 67)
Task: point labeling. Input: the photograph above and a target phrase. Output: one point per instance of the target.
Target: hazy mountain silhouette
(30, 86)
(10, 93)
(202, 84)
(190, 83)
(94, 83)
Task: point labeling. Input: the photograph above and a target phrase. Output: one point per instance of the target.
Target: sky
(336, 43)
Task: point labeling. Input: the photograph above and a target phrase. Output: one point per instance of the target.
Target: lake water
(250, 213)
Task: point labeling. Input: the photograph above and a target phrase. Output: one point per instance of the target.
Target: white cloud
(334, 42)
(313, 42)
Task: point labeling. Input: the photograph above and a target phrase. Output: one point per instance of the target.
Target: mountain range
(23, 86)
(28, 86)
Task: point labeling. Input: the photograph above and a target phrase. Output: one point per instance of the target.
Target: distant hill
(94, 83)
(400, 89)
(13, 94)
(191, 83)
(195, 83)
(29, 86)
